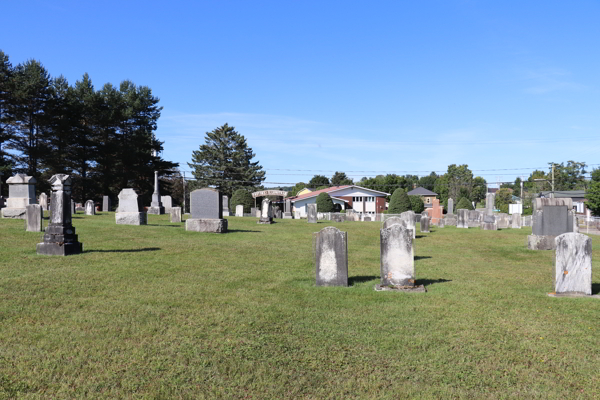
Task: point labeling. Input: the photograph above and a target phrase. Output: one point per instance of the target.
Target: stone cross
(331, 257)
(311, 213)
(60, 238)
(90, 207)
(397, 256)
(156, 206)
(573, 264)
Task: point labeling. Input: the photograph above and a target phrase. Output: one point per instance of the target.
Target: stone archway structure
(263, 193)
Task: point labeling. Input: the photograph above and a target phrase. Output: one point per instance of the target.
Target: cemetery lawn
(157, 312)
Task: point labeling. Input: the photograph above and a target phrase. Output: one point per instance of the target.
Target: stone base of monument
(131, 218)
(267, 220)
(541, 242)
(206, 225)
(156, 210)
(15, 213)
(59, 241)
(574, 295)
(489, 226)
(287, 215)
(392, 288)
(226, 214)
(451, 221)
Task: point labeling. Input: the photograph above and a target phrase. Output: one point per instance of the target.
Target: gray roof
(421, 191)
(565, 193)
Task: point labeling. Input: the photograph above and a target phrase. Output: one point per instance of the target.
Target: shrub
(324, 203)
(417, 204)
(399, 202)
(464, 203)
(244, 197)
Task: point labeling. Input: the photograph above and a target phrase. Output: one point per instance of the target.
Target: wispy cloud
(546, 80)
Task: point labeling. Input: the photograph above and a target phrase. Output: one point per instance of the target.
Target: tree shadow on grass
(123, 251)
(419, 236)
(243, 230)
(428, 282)
(360, 279)
(595, 288)
(421, 257)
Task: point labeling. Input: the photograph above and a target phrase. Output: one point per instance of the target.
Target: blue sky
(384, 87)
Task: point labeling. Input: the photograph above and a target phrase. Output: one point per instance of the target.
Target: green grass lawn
(157, 312)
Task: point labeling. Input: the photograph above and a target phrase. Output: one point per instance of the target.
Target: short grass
(157, 312)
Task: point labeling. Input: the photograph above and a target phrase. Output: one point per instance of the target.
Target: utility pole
(552, 180)
(183, 185)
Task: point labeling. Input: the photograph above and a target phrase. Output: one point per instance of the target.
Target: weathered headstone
(490, 200)
(106, 204)
(338, 217)
(367, 219)
(516, 221)
(573, 264)
(278, 213)
(167, 203)
(502, 221)
(266, 212)
(441, 223)
(21, 193)
(311, 213)
(526, 220)
(34, 217)
(331, 257)
(175, 213)
(288, 209)
(411, 221)
(43, 201)
(424, 224)
(397, 256)
(60, 238)
(389, 222)
(462, 218)
(225, 206)
(552, 217)
(130, 211)
(239, 210)
(206, 206)
(156, 206)
(489, 223)
(90, 207)
(253, 211)
(475, 218)
(450, 206)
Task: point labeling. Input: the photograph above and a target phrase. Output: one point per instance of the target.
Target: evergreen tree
(340, 179)
(324, 203)
(593, 197)
(6, 81)
(417, 204)
(243, 197)
(399, 202)
(225, 162)
(464, 203)
(318, 180)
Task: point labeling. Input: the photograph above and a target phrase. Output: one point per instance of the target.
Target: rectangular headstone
(397, 257)
(573, 264)
(106, 204)
(175, 213)
(516, 221)
(239, 210)
(90, 207)
(225, 203)
(462, 218)
(490, 200)
(424, 224)
(311, 213)
(206, 204)
(450, 206)
(167, 202)
(331, 257)
(34, 217)
(43, 201)
(129, 201)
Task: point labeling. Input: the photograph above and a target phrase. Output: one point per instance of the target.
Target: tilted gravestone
(397, 256)
(21, 193)
(239, 210)
(90, 207)
(167, 203)
(175, 213)
(106, 204)
(206, 206)
(130, 211)
(411, 221)
(331, 257)
(424, 224)
(60, 238)
(34, 217)
(156, 206)
(489, 223)
(552, 217)
(450, 207)
(462, 218)
(43, 201)
(516, 221)
(311, 213)
(266, 212)
(573, 266)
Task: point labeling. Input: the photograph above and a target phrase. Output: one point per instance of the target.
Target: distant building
(578, 197)
(426, 195)
(304, 191)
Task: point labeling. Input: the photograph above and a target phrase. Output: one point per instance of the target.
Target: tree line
(104, 139)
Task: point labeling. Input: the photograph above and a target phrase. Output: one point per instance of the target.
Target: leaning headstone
(266, 212)
(411, 221)
(167, 203)
(130, 211)
(552, 217)
(489, 223)
(490, 200)
(43, 201)
(311, 212)
(156, 206)
(450, 206)
(573, 264)
(175, 213)
(239, 210)
(21, 193)
(225, 206)
(206, 206)
(462, 218)
(60, 238)
(397, 257)
(106, 206)
(516, 221)
(34, 217)
(331, 257)
(90, 207)
(424, 224)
